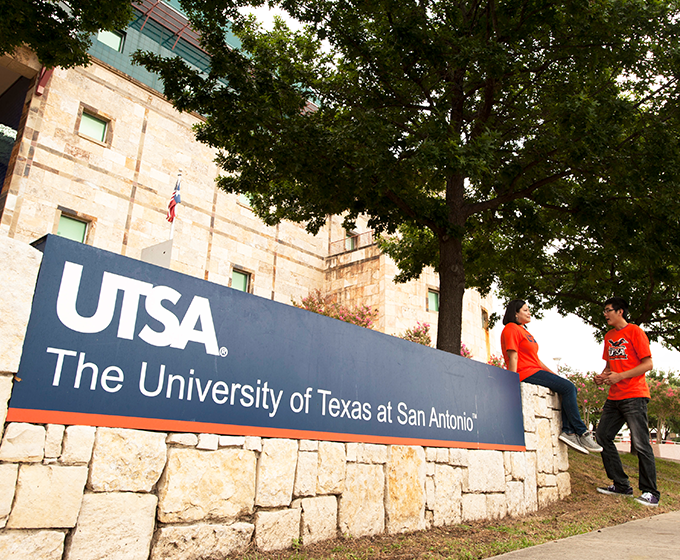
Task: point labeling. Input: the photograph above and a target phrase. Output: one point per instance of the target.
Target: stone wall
(81, 493)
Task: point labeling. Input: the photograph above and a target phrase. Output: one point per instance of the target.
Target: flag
(174, 201)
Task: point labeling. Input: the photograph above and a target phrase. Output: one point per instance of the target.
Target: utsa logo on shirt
(617, 349)
(530, 338)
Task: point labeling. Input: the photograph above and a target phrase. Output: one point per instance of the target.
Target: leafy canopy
(480, 137)
(59, 32)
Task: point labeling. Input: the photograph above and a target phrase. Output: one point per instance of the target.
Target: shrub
(362, 315)
(420, 334)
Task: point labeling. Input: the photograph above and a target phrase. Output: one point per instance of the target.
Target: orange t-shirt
(624, 350)
(521, 341)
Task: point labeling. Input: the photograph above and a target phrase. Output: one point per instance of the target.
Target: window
(350, 240)
(240, 280)
(93, 127)
(432, 300)
(244, 200)
(72, 228)
(111, 39)
(485, 319)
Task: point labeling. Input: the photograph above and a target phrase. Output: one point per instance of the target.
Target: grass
(584, 511)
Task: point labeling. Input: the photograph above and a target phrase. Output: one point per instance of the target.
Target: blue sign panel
(113, 341)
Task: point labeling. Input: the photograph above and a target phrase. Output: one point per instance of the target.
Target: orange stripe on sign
(162, 425)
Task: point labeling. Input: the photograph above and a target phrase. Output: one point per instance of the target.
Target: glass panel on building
(93, 127)
(432, 300)
(72, 229)
(111, 39)
(240, 280)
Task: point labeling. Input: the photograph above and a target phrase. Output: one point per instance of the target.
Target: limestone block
(430, 490)
(541, 409)
(486, 472)
(530, 441)
(309, 445)
(253, 443)
(518, 465)
(442, 455)
(448, 497)
(351, 452)
(32, 545)
(563, 485)
(114, 525)
(544, 450)
(474, 507)
(53, 440)
(231, 441)
(47, 496)
(200, 485)
(202, 541)
(547, 496)
(23, 443)
(528, 392)
(496, 507)
(430, 468)
(543, 479)
(561, 457)
(20, 265)
(405, 491)
(530, 484)
(514, 497)
(5, 393)
(78, 442)
(371, 453)
(276, 473)
(331, 471)
(127, 460)
(8, 481)
(208, 441)
(362, 510)
(431, 454)
(275, 530)
(458, 457)
(319, 519)
(306, 474)
(185, 440)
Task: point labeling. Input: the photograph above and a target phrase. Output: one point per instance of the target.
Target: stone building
(94, 152)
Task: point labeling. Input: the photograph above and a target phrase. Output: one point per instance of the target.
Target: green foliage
(664, 405)
(59, 32)
(420, 334)
(590, 397)
(495, 141)
(362, 315)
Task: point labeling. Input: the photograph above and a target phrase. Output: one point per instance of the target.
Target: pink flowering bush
(497, 361)
(590, 396)
(664, 406)
(465, 351)
(362, 315)
(420, 334)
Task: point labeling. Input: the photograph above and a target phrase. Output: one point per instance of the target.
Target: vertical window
(72, 228)
(485, 319)
(432, 300)
(350, 240)
(112, 39)
(93, 127)
(240, 280)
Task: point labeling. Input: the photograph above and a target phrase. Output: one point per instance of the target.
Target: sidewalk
(656, 538)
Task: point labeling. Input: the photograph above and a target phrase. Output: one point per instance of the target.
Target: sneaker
(648, 499)
(572, 440)
(589, 442)
(616, 491)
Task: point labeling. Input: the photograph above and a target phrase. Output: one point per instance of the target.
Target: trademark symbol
(474, 415)
(224, 351)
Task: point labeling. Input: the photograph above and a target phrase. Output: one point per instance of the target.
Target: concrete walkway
(653, 538)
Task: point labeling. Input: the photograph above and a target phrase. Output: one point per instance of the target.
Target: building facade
(94, 153)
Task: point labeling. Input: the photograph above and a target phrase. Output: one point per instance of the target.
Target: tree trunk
(451, 290)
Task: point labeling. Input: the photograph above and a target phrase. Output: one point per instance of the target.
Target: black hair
(618, 303)
(511, 311)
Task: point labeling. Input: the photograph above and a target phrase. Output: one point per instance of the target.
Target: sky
(573, 342)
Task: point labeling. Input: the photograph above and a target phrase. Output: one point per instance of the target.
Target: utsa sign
(116, 342)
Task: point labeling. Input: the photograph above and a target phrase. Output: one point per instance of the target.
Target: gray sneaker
(588, 441)
(648, 499)
(572, 440)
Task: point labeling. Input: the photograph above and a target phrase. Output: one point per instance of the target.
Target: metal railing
(351, 243)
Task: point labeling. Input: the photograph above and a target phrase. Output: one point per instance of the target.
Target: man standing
(628, 357)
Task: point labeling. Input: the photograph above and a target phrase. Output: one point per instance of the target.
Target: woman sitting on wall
(520, 351)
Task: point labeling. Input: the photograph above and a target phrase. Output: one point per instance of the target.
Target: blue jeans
(571, 417)
(634, 413)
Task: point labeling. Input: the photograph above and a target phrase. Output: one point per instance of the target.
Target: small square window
(72, 228)
(433, 301)
(93, 127)
(112, 39)
(244, 200)
(240, 280)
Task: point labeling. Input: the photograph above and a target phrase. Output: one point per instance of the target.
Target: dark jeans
(571, 417)
(634, 413)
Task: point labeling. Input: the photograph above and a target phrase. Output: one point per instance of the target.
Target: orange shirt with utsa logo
(521, 341)
(624, 350)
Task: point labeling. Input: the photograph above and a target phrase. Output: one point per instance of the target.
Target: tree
(445, 122)
(59, 32)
